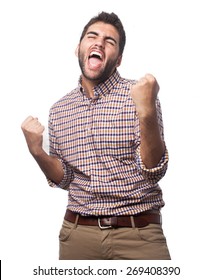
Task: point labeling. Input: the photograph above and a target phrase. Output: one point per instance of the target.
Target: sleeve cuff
(163, 162)
(155, 174)
(67, 178)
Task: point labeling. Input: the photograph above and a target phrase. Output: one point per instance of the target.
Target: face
(98, 52)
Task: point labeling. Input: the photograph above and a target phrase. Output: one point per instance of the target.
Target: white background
(171, 40)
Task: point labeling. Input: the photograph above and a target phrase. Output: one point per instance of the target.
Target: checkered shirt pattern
(98, 143)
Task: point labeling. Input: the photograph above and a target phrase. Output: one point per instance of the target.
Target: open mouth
(96, 55)
(95, 60)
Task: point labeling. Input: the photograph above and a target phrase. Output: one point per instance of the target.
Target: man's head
(108, 19)
(100, 48)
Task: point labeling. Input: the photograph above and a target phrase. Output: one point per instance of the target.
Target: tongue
(95, 63)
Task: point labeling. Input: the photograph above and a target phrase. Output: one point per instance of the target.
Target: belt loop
(76, 220)
(132, 221)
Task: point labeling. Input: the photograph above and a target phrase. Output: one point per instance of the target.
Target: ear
(77, 50)
(118, 63)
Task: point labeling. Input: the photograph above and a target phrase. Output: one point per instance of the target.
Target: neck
(88, 86)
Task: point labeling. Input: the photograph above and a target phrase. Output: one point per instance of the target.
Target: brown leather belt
(104, 222)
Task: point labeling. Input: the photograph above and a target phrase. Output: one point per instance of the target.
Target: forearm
(152, 146)
(51, 166)
(144, 94)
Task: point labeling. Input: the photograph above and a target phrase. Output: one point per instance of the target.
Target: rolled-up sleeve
(67, 178)
(153, 175)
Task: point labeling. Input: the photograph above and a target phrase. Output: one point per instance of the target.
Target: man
(107, 149)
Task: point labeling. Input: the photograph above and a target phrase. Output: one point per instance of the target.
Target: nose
(100, 42)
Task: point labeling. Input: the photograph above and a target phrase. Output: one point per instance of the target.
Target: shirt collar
(105, 87)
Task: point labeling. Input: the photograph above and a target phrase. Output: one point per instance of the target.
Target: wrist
(146, 112)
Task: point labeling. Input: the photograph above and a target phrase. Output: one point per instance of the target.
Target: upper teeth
(96, 53)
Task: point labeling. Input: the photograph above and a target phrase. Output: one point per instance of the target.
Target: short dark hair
(112, 19)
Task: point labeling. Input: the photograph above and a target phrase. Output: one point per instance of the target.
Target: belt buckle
(103, 227)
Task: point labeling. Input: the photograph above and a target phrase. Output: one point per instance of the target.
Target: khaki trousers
(79, 242)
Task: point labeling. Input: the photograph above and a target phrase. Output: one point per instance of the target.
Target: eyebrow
(107, 37)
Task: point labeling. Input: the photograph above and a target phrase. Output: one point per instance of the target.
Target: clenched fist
(33, 132)
(144, 94)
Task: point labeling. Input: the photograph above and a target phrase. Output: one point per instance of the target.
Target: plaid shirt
(98, 142)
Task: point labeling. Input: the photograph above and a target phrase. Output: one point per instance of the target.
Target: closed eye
(92, 34)
(111, 42)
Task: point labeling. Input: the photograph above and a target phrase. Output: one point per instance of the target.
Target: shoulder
(66, 100)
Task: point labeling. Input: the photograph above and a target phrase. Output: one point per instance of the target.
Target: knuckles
(31, 124)
(148, 82)
(148, 79)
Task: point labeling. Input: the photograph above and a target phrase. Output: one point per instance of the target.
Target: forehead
(104, 29)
